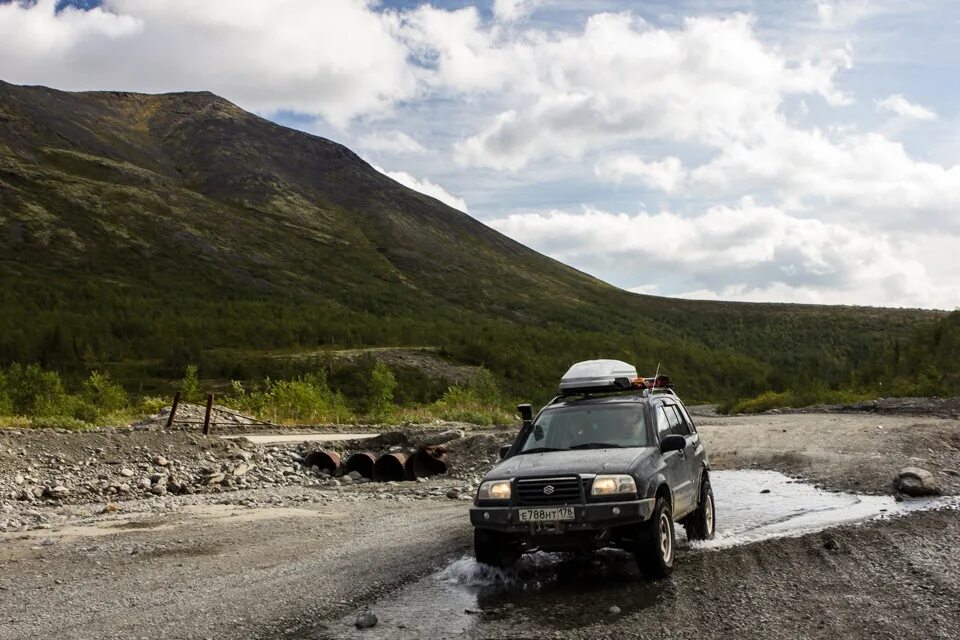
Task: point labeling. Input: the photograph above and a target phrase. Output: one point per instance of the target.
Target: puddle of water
(757, 505)
(560, 591)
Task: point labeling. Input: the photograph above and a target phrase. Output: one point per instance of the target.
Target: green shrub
(189, 387)
(105, 395)
(35, 392)
(304, 399)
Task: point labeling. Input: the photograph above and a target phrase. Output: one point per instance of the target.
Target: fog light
(486, 516)
(616, 511)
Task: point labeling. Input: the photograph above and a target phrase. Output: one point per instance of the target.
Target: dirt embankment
(852, 452)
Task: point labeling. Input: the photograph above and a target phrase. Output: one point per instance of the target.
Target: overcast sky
(769, 150)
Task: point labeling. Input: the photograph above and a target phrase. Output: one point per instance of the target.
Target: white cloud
(863, 177)
(29, 31)
(665, 175)
(391, 141)
(426, 187)
(620, 80)
(513, 10)
(902, 107)
(336, 58)
(743, 252)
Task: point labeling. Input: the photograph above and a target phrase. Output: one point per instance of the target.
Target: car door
(689, 466)
(675, 468)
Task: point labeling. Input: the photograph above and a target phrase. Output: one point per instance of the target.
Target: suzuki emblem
(548, 489)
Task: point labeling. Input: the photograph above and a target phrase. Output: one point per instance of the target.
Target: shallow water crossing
(559, 591)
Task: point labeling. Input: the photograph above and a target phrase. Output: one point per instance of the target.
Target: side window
(677, 425)
(686, 417)
(663, 423)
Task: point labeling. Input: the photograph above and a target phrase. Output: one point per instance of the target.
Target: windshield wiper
(540, 450)
(597, 445)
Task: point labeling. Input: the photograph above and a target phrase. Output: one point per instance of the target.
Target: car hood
(552, 463)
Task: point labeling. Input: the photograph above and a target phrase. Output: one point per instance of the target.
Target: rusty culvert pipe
(427, 461)
(362, 463)
(328, 461)
(389, 466)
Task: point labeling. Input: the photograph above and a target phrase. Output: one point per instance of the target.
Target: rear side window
(677, 424)
(686, 417)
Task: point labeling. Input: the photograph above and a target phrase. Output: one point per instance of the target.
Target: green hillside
(139, 233)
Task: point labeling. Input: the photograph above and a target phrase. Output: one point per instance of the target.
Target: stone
(346, 480)
(354, 475)
(160, 461)
(126, 473)
(366, 620)
(214, 478)
(18, 479)
(453, 494)
(59, 491)
(915, 482)
(159, 490)
(614, 610)
(949, 472)
(241, 469)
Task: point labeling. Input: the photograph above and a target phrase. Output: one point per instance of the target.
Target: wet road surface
(561, 591)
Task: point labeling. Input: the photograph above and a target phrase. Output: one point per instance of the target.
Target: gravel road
(297, 560)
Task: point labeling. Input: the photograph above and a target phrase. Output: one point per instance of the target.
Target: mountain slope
(157, 229)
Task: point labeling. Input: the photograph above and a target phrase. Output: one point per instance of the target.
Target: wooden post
(206, 417)
(173, 409)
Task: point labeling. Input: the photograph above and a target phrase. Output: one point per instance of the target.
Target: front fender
(653, 483)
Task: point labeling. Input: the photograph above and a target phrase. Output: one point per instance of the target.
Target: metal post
(173, 409)
(206, 417)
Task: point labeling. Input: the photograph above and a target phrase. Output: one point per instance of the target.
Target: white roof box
(597, 375)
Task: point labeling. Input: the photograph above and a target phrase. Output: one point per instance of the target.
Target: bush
(304, 399)
(35, 392)
(478, 402)
(104, 394)
(189, 387)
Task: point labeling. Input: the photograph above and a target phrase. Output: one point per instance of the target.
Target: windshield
(588, 427)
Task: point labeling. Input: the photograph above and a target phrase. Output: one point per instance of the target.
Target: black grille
(564, 491)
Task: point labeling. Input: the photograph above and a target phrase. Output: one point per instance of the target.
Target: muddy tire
(495, 549)
(656, 542)
(702, 523)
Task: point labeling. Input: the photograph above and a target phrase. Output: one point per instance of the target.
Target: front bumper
(589, 517)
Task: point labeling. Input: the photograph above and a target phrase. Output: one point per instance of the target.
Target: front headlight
(613, 484)
(494, 490)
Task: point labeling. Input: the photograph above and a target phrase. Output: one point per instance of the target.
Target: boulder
(366, 620)
(916, 482)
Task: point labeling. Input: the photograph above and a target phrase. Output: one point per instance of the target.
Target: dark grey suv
(613, 461)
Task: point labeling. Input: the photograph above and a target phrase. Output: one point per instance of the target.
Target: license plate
(551, 514)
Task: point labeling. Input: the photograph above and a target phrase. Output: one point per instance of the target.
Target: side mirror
(503, 451)
(526, 414)
(673, 442)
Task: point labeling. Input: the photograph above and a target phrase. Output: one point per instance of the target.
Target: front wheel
(495, 549)
(655, 545)
(702, 523)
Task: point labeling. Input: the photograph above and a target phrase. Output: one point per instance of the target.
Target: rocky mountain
(139, 232)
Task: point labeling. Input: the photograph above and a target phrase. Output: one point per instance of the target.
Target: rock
(355, 475)
(159, 490)
(241, 469)
(59, 491)
(160, 461)
(614, 610)
(18, 479)
(949, 472)
(915, 482)
(765, 491)
(214, 478)
(366, 620)
(346, 480)
(126, 473)
(453, 494)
